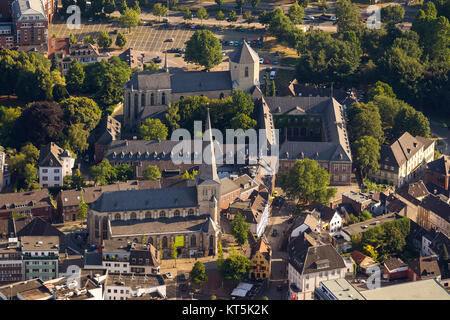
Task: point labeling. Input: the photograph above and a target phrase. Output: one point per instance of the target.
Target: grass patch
(372, 186)
(289, 62)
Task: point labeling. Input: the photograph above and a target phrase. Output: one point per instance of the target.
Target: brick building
(34, 203)
(438, 172)
(30, 22)
(6, 36)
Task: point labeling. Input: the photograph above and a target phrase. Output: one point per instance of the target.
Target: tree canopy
(203, 48)
(153, 129)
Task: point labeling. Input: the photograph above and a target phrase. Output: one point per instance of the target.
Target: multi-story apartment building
(405, 160)
(30, 22)
(438, 173)
(40, 257)
(34, 203)
(310, 263)
(123, 286)
(54, 164)
(10, 262)
(434, 214)
(6, 36)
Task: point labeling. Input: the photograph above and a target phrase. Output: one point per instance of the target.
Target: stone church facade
(186, 217)
(148, 93)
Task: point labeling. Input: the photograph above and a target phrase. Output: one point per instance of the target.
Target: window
(246, 72)
(44, 178)
(56, 178)
(133, 216)
(152, 99)
(162, 214)
(193, 241)
(164, 242)
(44, 170)
(176, 213)
(143, 99)
(117, 216)
(163, 98)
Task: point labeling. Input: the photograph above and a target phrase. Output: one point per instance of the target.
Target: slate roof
(159, 226)
(414, 192)
(435, 204)
(193, 81)
(108, 130)
(29, 7)
(190, 81)
(336, 146)
(403, 149)
(440, 166)
(148, 199)
(31, 199)
(394, 263)
(425, 267)
(51, 155)
(244, 54)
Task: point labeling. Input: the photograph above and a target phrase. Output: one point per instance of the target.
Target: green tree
(8, 118)
(83, 209)
(75, 77)
(220, 256)
(394, 241)
(220, 16)
(410, 120)
(172, 3)
(235, 267)
(151, 173)
(174, 252)
(380, 89)
(159, 10)
(274, 89)
(370, 250)
(30, 174)
(72, 39)
(364, 120)
(393, 14)
(102, 173)
(219, 3)
(303, 3)
(153, 129)
(151, 66)
(104, 40)
(202, 14)
(365, 215)
(307, 182)
(55, 64)
(89, 39)
(129, 19)
(77, 138)
(248, 17)
(239, 229)
(123, 173)
(266, 85)
(122, 6)
(186, 175)
(109, 6)
(82, 110)
(203, 48)
(82, 5)
(232, 16)
(137, 8)
(243, 121)
(121, 41)
(348, 17)
(213, 297)
(187, 14)
(296, 13)
(77, 180)
(367, 154)
(198, 273)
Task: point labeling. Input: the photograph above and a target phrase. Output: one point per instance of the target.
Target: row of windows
(121, 291)
(11, 271)
(148, 214)
(46, 170)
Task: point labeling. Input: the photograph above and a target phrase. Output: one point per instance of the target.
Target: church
(184, 217)
(148, 93)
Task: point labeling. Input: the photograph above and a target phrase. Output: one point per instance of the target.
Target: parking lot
(152, 39)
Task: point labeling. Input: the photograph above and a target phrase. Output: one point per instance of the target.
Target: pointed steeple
(208, 171)
(166, 63)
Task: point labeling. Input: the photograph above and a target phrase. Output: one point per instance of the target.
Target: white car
(168, 275)
(224, 52)
(333, 18)
(309, 18)
(261, 60)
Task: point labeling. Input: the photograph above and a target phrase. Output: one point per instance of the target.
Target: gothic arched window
(143, 100)
(246, 72)
(152, 99)
(163, 98)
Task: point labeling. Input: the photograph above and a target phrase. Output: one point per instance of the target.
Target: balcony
(54, 257)
(114, 259)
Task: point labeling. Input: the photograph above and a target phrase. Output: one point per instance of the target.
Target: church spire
(208, 171)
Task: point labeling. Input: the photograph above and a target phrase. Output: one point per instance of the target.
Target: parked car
(274, 233)
(267, 61)
(261, 60)
(168, 275)
(309, 18)
(236, 43)
(193, 26)
(231, 43)
(220, 29)
(165, 20)
(157, 60)
(170, 40)
(224, 52)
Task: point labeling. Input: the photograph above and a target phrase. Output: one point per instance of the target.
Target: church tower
(208, 182)
(244, 68)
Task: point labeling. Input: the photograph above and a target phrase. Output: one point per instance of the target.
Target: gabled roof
(440, 166)
(435, 204)
(31, 199)
(51, 155)
(394, 263)
(262, 246)
(425, 267)
(244, 54)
